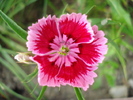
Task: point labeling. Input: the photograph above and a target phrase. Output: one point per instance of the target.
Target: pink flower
(67, 50)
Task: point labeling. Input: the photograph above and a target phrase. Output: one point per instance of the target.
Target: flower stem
(78, 93)
(41, 93)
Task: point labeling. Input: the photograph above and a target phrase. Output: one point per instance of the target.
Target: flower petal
(46, 71)
(93, 53)
(41, 34)
(77, 75)
(77, 27)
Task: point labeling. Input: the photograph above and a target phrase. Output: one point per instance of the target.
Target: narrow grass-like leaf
(19, 7)
(127, 45)
(13, 45)
(78, 93)
(2, 3)
(63, 11)
(121, 14)
(3, 94)
(10, 67)
(52, 6)
(110, 79)
(22, 33)
(35, 87)
(120, 57)
(98, 82)
(31, 76)
(11, 52)
(120, 11)
(80, 4)
(42, 93)
(5, 31)
(7, 65)
(13, 93)
(8, 4)
(90, 9)
(15, 69)
(12, 63)
(45, 7)
(29, 1)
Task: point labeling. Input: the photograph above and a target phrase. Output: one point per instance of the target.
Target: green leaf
(45, 8)
(97, 83)
(29, 1)
(90, 9)
(11, 44)
(22, 33)
(78, 93)
(42, 93)
(10, 64)
(119, 55)
(63, 11)
(127, 45)
(110, 79)
(12, 92)
(3, 94)
(122, 14)
(31, 76)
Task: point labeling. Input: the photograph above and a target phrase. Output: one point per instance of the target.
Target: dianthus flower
(67, 50)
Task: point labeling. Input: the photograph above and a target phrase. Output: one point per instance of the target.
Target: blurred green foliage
(114, 17)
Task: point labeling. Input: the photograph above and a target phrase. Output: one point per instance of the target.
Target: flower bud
(24, 57)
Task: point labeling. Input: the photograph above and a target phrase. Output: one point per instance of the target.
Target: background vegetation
(114, 17)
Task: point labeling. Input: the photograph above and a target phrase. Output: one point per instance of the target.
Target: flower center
(64, 51)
